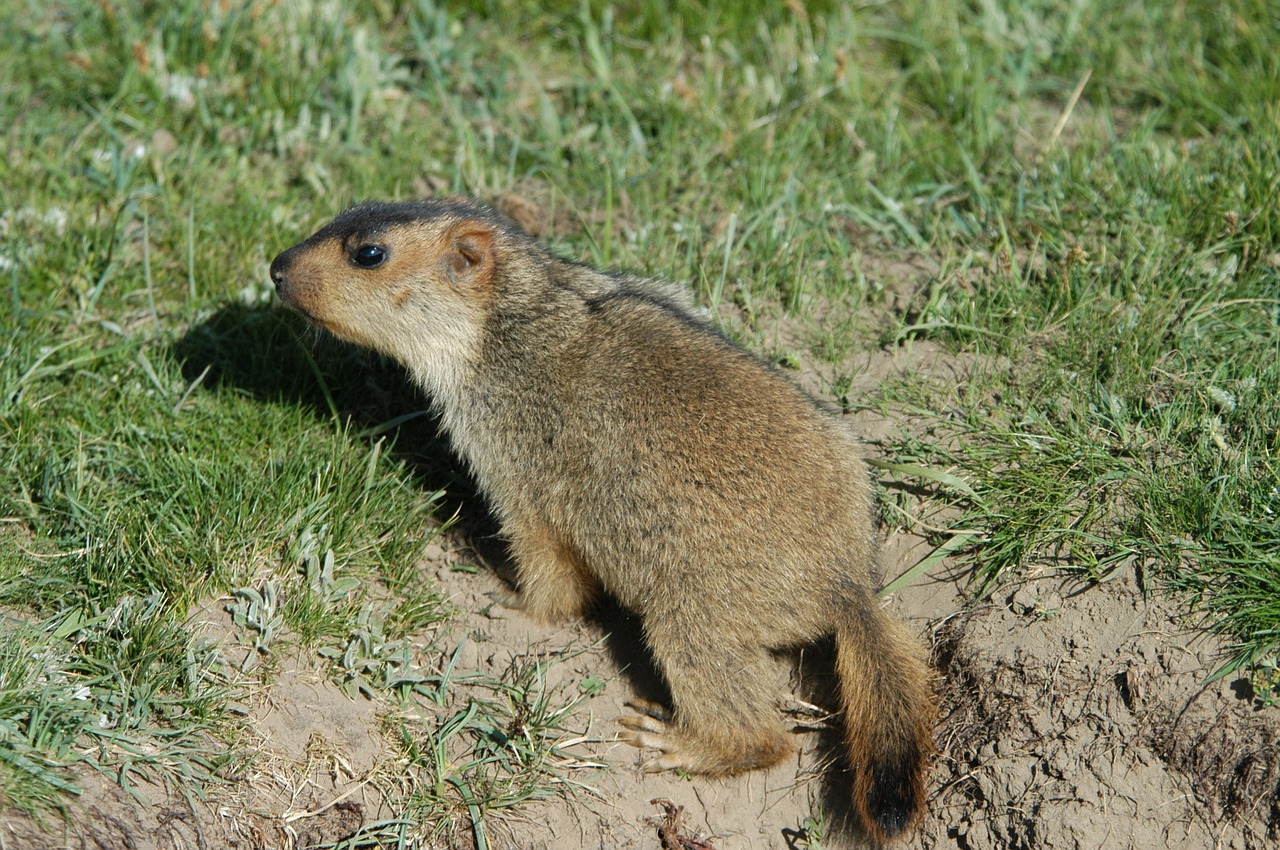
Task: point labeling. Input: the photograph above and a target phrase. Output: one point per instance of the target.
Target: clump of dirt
(1080, 717)
(1233, 760)
(671, 828)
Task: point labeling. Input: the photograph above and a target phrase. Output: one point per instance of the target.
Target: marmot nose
(278, 268)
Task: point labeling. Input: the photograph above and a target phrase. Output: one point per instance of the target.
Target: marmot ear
(468, 256)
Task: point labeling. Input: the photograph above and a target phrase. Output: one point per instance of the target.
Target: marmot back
(628, 447)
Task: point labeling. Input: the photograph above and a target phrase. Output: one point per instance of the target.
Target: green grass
(1095, 184)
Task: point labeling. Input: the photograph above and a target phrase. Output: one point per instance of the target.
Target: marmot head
(412, 280)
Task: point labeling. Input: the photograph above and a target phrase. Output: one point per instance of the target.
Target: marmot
(627, 446)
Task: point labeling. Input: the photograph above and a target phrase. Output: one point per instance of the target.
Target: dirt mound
(1083, 719)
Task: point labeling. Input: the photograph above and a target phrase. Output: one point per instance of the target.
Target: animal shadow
(274, 356)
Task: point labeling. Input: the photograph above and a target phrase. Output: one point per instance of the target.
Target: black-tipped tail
(887, 696)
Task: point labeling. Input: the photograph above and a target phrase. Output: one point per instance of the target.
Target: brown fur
(626, 446)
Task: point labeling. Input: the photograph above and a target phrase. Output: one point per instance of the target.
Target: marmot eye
(369, 256)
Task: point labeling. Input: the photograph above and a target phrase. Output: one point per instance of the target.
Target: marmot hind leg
(722, 721)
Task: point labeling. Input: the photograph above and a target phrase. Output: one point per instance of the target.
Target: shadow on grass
(274, 356)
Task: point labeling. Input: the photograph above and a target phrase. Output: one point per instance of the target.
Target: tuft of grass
(491, 743)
